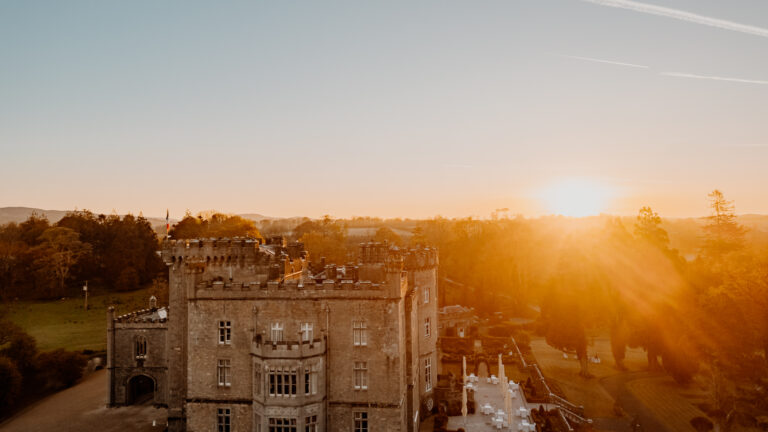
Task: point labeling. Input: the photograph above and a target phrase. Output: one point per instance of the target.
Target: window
(307, 333)
(224, 419)
(257, 379)
(428, 373)
(277, 332)
(426, 328)
(225, 332)
(361, 421)
(282, 424)
(310, 424)
(310, 380)
(141, 347)
(224, 373)
(361, 375)
(359, 333)
(282, 382)
(426, 294)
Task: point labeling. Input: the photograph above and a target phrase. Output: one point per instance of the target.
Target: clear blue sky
(382, 108)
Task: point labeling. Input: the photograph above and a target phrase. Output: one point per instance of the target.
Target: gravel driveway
(82, 408)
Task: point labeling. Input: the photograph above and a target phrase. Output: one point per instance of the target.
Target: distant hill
(256, 217)
(20, 214)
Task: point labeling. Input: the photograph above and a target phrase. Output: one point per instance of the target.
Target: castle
(257, 339)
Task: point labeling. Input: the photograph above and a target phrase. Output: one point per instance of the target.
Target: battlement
(143, 316)
(411, 259)
(290, 285)
(286, 349)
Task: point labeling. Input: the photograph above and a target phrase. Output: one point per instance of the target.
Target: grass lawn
(64, 323)
(670, 404)
(585, 391)
(662, 396)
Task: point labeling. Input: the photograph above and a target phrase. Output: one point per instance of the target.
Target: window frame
(282, 424)
(307, 331)
(140, 347)
(224, 419)
(310, 423)
(282, 381)
(427, 374)
(359, 333)
(361, 375)
(276, 333)
(225, 332)
(360, 421)
(224, 372)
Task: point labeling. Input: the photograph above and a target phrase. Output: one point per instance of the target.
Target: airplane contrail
(596, 60)
(683, 16)
(716, 78)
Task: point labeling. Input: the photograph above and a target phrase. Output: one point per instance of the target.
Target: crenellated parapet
(272, 261)
(265, 349)
(420, 258)
(411, 259)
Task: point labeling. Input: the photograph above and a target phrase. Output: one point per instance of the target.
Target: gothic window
(310, 380)
(310, 424)
(359, 333)
(361, 375)
(277, 332)
(307, 332)
(282, 381)
(361, 421)
(277, 424)
(141, 347)
(225, 332)
(224, 372)
(427, 329)
(224, 419)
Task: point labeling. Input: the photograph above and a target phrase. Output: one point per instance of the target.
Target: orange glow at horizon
(576, 197)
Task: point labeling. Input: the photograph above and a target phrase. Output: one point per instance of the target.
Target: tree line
(706, 314)
(43, 260)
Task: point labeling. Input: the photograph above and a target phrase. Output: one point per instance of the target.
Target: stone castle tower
(256, 339)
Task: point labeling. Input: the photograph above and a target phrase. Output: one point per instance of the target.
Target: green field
(64, 323)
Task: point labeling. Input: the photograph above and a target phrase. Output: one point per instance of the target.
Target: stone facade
(258, 340)
(137, 362)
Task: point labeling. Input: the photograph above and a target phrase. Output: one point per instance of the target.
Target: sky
(391, 109)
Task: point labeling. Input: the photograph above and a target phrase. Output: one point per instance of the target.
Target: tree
(573, 304)
(325, 239)
(18, 346)
(10, 383)
(214, 224)
(648, 228)
(386, 234)
(64, 249)
(61, 369)
(723, 233)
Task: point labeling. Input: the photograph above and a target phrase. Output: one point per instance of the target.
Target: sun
(575, 197)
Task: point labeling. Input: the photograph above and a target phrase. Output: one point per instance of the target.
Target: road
(82, 408)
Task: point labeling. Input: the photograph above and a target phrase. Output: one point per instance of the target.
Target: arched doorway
(141, 389)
